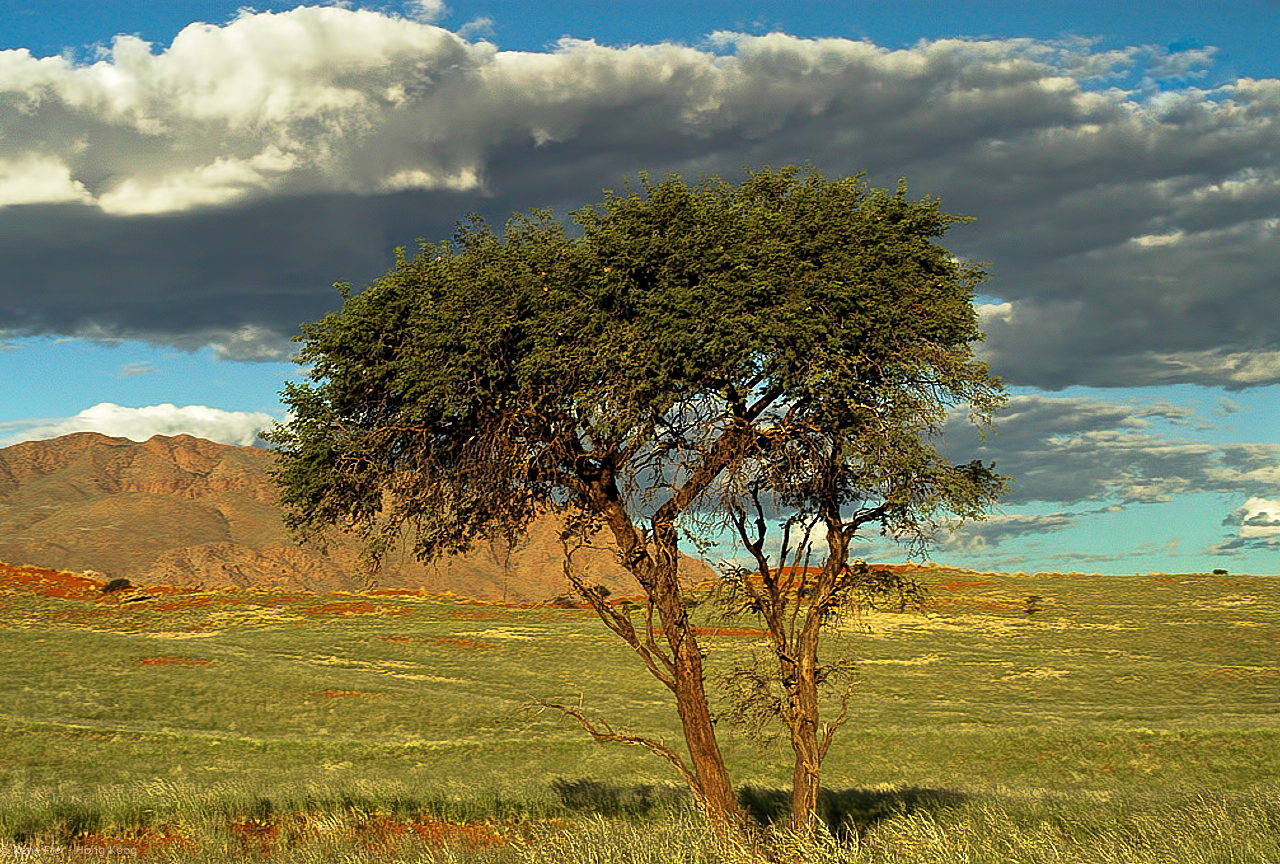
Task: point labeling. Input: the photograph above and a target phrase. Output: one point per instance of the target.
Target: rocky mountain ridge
(188, 512)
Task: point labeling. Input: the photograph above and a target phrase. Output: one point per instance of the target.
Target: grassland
(1124, 719)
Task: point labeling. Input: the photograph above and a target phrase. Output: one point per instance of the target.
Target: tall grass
(1190, 829)
(1125, 720)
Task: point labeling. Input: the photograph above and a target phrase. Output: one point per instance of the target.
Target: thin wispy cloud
(143, 367)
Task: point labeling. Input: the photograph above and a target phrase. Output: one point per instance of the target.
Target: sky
(182, 184)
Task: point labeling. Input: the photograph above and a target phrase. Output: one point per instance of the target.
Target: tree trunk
(806, 776)
(716, 789)
(657, 571)
(801, 714)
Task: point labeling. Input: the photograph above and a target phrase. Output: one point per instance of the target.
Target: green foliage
(493, 375)
(784, 349)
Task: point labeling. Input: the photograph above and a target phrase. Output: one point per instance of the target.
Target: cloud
(1227, 407)
(1072, 450)
(139, 424)
(1076, 561)
(977, 537)
(251, 343)
(36, 179)
(1257, 525)
(143, 367)
(425, 11)
(220, 185)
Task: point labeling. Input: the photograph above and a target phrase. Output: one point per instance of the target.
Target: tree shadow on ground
(611, 799)
(850, 811)
(846, 811)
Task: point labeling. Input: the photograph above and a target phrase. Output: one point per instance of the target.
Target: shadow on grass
(612, 800)
(850, 811)
(845, 811)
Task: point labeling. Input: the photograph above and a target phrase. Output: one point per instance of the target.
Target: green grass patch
(1109, 719)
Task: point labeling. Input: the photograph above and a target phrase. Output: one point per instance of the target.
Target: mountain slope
(189, 512)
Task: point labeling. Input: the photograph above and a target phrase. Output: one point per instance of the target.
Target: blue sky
(183, 182)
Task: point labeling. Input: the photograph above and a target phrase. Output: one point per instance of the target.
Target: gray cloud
(210, 193)
(144, 367)
(1072, 450)
(994, 530)
(1074, 561)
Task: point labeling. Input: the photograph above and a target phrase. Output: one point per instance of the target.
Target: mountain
(188, 512)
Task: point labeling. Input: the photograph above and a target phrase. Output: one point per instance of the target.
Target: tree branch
(605, 734)
(830, 732)
(622, 626)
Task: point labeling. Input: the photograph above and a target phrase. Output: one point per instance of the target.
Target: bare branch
(830, 731)
(620, 624)
(605, 734)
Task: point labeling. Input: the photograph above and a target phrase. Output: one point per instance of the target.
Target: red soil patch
(339, 694)
(172, 661)
(281, 599)
(253, 835)
(381, 833)
(440, 831)
(376, 833)
(49, 583)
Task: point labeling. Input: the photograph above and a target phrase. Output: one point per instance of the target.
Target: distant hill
(189, 512)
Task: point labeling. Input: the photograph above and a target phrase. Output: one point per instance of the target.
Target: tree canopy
(767, 362)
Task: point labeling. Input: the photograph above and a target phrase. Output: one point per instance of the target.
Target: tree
(700, 361)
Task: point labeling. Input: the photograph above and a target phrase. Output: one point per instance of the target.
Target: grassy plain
(1131, 719)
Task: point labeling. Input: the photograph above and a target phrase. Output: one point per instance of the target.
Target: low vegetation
(1125, 719)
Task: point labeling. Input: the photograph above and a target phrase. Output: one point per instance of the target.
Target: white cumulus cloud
(1129, 203)
(38, 179)
(1260, 517)
(1257, 525)
(139, 424)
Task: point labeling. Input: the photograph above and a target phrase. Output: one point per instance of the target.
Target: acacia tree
(700, 360)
